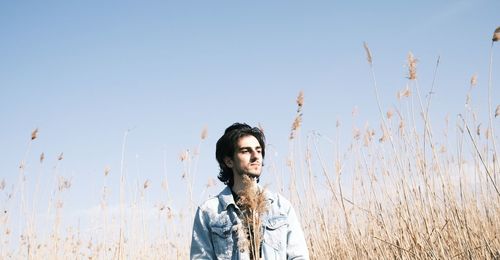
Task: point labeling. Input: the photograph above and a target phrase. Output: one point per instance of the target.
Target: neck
(242, 182)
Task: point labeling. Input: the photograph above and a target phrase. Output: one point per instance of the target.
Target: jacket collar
(226, 197)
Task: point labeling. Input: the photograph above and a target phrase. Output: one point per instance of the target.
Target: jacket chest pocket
(275, 232)
(223, 241)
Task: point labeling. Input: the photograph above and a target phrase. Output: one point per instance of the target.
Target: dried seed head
(369, 133)
(146, 184)
(300, 99)
(60, 157)
(473, 81)
(385, 134)
(204, 133)
(184, 155)
(107, 169)
(295, 126)
(298, 118)
(401, 127)
(468, 99)
(368, 53)
(478, 130)
(64, 183)
(42, 157)
(356, 133)
(412, 66)
(496, 35)
(2, 184)
(253, 204)
(497, 111)
(34, 134)
(389, 114)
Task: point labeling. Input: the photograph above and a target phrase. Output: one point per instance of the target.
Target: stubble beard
(252, 174)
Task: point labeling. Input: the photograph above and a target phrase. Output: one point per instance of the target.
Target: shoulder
(210, 204)
(218, 203)
(278, 201)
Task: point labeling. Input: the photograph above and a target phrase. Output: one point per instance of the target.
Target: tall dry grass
(399, 190)
(413, 194)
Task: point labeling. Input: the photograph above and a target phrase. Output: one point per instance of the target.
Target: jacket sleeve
(201, 242)
(296, 243)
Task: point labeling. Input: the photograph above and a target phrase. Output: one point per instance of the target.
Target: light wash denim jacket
(215, 230)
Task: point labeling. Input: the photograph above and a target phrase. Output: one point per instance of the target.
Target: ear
(228, 162)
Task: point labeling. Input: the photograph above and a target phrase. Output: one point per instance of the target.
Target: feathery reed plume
(300, 101)
(368, 53)
(385, 134)
(473, 81)
(107, 169)
(389, 114)
(369, 133)
(253, 204)
(63, 183)
(42, 157)
(298, 118)
(204, 133)
(356, 133)
(412, 66)
(243, 242)
(496, 35)
(184, 155)
(34, 134)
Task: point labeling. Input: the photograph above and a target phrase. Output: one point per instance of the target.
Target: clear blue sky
(84, 72)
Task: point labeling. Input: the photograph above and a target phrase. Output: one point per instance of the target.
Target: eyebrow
(249, 147)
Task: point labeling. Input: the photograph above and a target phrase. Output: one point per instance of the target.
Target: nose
(256, 155)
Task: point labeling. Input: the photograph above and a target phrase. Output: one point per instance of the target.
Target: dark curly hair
(227, 145)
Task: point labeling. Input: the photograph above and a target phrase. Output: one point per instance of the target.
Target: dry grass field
(412, 190)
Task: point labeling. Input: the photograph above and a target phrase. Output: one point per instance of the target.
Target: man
(224, 226)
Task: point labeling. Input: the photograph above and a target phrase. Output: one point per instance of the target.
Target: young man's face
(247, 158)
